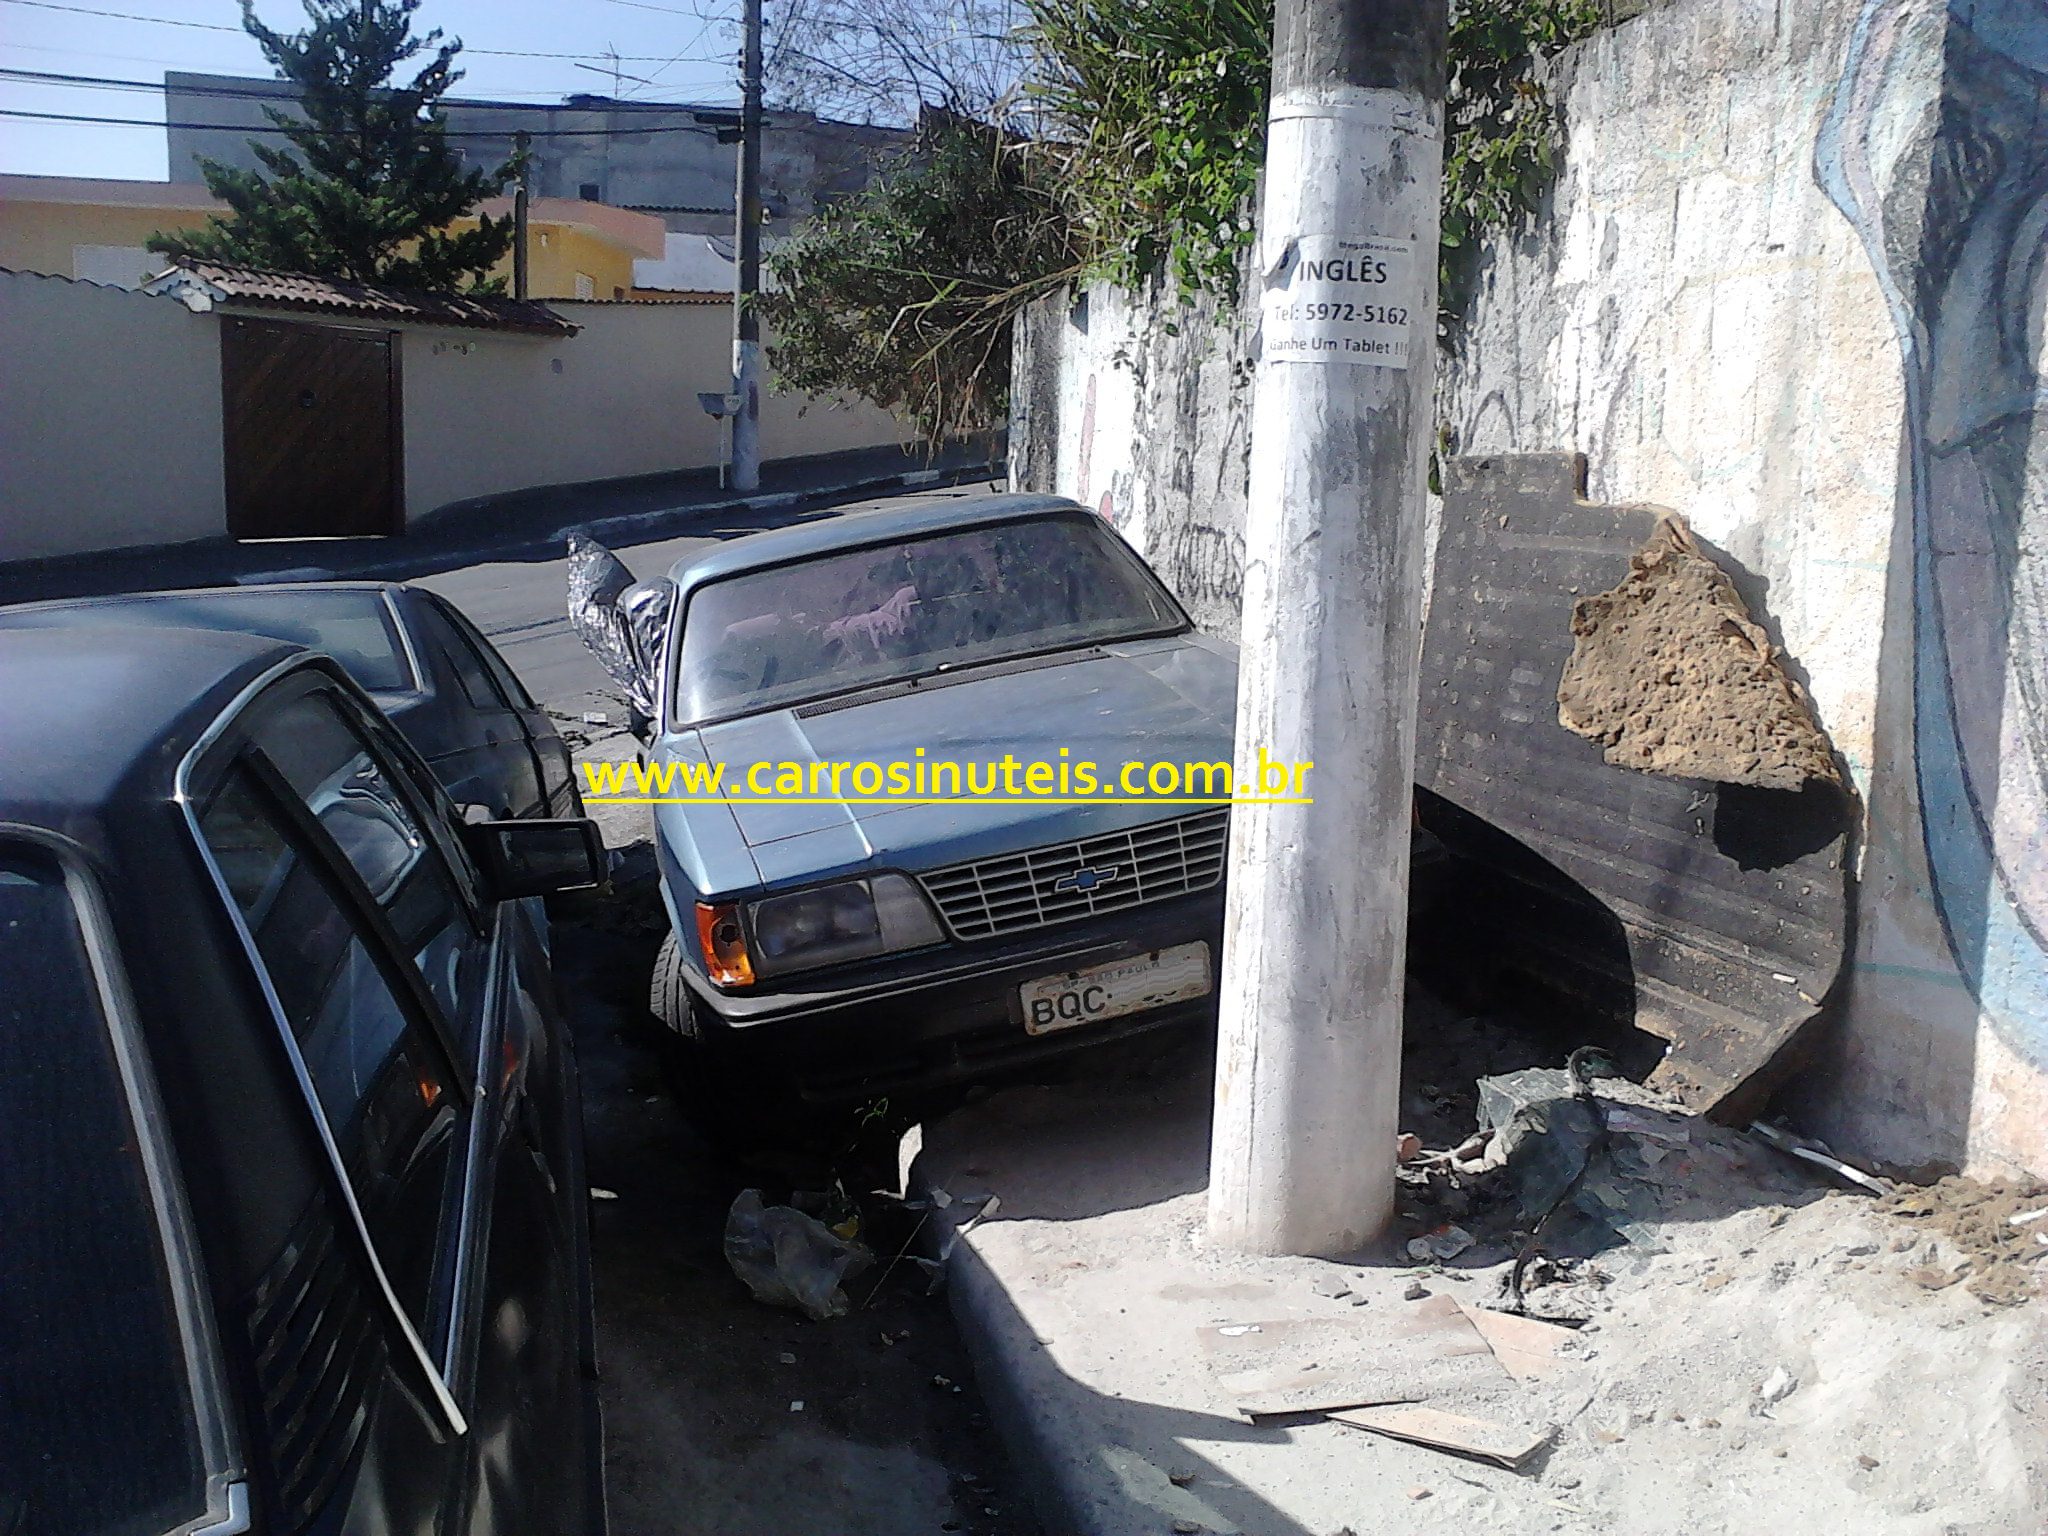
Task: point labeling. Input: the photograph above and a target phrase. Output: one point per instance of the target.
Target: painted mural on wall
(1952, 208)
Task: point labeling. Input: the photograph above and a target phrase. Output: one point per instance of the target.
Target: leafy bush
(904, 294)
(1163, 103)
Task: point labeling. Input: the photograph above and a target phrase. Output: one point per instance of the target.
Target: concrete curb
(1021, 1383)
(1103, 1489)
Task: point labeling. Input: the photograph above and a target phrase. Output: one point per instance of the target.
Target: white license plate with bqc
(1165, 976)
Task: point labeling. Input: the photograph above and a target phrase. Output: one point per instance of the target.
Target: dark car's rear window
(97, 1429)
(775, 637)
(354, 628)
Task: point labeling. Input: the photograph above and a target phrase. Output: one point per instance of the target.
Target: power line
(233, 93)
(453, 133)
(213, 26)
(671, 10)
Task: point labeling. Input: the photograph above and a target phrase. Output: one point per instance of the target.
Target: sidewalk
(1778, 1360)
(518, 525)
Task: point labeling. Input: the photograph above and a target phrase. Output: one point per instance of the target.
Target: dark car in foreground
(293, 1234)
(427, 666)
(865, 945)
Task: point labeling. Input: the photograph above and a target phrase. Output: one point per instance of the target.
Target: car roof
(90, 716)
(907, 518)
(254, 588)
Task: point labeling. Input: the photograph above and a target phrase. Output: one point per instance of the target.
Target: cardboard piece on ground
(1526, 1347)
(1506, 1445)
(1311, 1365)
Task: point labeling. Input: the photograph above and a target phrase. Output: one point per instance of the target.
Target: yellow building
(97, 230)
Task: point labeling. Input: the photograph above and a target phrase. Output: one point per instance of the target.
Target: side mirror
(535, 858)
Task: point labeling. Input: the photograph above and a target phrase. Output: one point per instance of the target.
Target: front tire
(668, 994)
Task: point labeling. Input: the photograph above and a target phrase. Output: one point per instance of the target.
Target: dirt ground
(1772, 1345)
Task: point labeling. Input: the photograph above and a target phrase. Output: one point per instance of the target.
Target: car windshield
(354, 628)
(855, 618)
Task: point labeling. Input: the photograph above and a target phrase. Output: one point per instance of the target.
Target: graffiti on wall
(1952, 210)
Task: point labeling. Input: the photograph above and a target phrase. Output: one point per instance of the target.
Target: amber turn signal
(724, 944)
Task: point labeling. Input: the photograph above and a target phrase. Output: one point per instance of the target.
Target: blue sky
(684, 47)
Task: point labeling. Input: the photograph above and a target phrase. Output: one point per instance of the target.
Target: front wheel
(668, 994)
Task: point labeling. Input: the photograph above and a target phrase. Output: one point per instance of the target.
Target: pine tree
(368, 187)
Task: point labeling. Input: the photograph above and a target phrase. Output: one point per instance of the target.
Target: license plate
(1123, 986)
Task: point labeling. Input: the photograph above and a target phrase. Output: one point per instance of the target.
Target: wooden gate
(312, 427)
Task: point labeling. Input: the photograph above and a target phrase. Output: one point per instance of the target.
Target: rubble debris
(1817, 1153)
(1443, 1243)
(1408, 1147)
(1503, 1444)
(789, 1259)
(1671, 675)
(1980, 1226)
(1777, 1386)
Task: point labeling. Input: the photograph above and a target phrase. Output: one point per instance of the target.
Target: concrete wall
(110, 411)
(110, 425)
(487, 411)
(1791, 284)
(1143, 411)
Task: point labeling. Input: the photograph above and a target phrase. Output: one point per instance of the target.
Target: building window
(590, 192)
(586, 286)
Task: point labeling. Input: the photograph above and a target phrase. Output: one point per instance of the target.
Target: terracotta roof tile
(225, 284)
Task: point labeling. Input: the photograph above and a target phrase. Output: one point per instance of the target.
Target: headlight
(851, 920)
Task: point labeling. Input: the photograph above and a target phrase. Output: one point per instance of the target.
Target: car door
(490, 761)
(551, 753)
(112, 1399)
(424, 1071)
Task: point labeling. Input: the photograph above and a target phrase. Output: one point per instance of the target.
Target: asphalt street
(723, 1417)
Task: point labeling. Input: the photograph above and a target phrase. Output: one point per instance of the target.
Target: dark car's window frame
(673, 661)
(495, 666)
(232, 741)
(226, 1494)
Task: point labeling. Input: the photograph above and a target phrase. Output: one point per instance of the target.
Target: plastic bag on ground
(788, 1259)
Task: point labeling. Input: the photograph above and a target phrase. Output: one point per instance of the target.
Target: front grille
(1020, 891)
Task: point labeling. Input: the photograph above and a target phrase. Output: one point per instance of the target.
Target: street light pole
(1309, 1055)
(746, 344)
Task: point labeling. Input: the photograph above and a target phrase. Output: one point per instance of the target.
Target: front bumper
(949, 1014)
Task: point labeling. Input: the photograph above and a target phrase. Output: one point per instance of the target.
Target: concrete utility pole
(1309, 1060)
(746, 343)
(522, 142)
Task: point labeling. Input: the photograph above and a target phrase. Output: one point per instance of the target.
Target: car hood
(1171, 700)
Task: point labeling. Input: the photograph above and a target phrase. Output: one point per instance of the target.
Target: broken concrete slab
(1709, 918)
(1670, 674)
